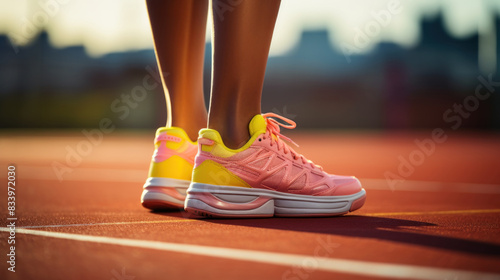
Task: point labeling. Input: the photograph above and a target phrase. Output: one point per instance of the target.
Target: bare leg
(241, 39)
(179, 35)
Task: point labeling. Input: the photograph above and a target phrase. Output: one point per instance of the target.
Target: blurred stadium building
(390, 87)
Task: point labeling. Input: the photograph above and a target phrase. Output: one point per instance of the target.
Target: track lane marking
(444, 212)
(85, 174)
(431, 186)
(110, 224)
(450, 212)
(337, 265)
(88, 174)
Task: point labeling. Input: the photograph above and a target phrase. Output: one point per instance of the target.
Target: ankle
(232, 126)
(192, 133)
(235, 140)
(233, 136)
(191, 129)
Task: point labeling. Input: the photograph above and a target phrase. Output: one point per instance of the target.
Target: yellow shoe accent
(170, 170)
(212, 173)
(256, 127)
(177, 132)
(174, 167)
(174, 154)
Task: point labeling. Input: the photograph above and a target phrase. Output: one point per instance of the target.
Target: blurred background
(365, 64)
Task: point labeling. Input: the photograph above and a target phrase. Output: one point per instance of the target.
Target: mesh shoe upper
(174, 154)
(267, 162)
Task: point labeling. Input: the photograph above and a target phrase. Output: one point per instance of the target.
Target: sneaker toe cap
(346, 185)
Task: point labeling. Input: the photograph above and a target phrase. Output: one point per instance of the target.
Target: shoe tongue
(257, 125)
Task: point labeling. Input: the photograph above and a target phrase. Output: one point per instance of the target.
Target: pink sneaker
(265, 177)
(170, 170)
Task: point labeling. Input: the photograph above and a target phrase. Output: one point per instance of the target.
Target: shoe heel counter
(213, 173)
(174, 167)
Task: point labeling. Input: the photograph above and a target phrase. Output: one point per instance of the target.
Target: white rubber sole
(164, 193)
(237, 202)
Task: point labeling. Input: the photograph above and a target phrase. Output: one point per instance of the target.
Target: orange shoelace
(273, 128)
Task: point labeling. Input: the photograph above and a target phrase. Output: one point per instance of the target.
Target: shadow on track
(389, 229)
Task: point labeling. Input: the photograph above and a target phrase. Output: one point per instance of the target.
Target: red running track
(439, 220)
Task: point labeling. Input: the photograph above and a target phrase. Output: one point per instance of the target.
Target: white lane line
(110, 224)
(85, 174)
(431, 186)
(373, 269)
(445, 212)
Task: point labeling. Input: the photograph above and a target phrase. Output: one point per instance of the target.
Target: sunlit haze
(105, 26)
